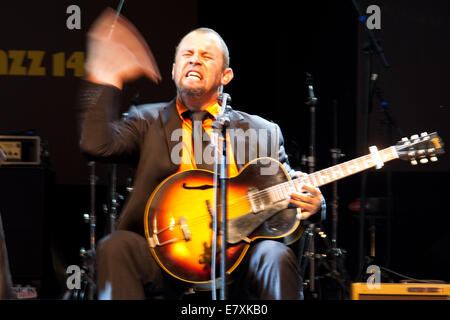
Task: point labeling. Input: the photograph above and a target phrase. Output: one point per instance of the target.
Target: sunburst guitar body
(179, 219)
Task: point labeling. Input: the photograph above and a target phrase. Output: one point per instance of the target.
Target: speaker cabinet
(23, 211)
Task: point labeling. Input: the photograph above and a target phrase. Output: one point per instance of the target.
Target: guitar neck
(325, 176)
(349, 168)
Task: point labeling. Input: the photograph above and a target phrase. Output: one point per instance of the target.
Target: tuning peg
(423, 160)
(414, 137)
(423, 134)
(433, 159)
(414, 162)
(405, 139)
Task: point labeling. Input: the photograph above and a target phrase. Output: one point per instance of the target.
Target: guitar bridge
(184, 228)
(153, 241)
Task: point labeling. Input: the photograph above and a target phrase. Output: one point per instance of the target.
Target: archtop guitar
(179, 213)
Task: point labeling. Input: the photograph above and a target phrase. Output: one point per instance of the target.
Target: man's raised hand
(117, 52)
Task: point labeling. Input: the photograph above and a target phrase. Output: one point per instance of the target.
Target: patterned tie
(200, 140)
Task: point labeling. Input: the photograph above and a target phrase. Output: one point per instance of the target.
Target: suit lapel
(238, 140)
(170, 121)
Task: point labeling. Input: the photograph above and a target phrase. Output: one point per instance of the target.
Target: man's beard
(190, 92)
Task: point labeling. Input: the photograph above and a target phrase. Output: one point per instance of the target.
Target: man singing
(126, 269)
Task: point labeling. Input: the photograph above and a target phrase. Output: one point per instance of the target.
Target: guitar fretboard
(325, 176)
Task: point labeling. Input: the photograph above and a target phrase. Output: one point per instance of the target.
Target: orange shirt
(187, 153)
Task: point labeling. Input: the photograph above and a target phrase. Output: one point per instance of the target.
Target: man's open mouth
(194, 74)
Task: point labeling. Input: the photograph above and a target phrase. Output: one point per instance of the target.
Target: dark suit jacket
(144, 138)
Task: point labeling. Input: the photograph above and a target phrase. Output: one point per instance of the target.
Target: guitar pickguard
(241, 227)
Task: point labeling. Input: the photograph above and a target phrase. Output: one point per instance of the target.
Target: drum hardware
(308, 245)
(88, 257)
(336, 253)
(111, 208)
(332, 261)
(130, 186)
(87, 290)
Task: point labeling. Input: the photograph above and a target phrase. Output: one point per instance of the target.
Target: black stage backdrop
(271, 45)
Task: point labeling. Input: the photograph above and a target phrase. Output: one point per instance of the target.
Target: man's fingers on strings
(303, 205)
(311, 189)
(302, 197)
(302, 215)
(300, 174)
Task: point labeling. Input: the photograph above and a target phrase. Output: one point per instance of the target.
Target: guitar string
(283, 187)
(293, 184)
(273, 190)
(258, 196)
(277, 189)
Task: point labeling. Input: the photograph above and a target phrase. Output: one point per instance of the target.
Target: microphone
(221, 96)
(312, 100)
(224, 100)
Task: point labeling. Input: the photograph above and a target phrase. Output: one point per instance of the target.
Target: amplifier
(20, 150)
(401, 291)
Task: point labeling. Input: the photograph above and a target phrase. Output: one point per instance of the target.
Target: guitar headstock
(423, 148)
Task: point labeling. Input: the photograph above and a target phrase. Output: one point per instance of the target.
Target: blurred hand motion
(117, 52)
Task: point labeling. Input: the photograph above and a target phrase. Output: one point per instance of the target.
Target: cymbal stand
(88, 287)
(111, 209)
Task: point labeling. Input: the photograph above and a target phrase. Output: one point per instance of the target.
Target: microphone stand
(372, 48)
(220, 187)
(335, 155)
(337, 270)
(373, 41)
(391, 123)
(311, 229)
(311, 102)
